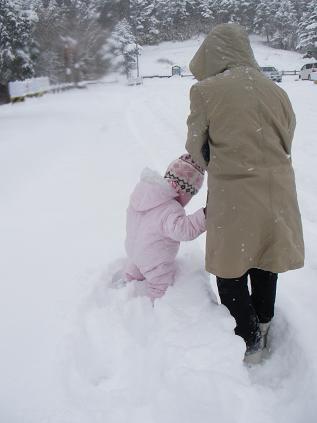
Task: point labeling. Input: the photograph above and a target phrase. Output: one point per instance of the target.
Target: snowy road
(74, 351)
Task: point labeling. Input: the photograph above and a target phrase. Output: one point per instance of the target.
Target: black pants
(249, 309)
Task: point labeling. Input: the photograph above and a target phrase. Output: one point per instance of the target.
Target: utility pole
(137, 61)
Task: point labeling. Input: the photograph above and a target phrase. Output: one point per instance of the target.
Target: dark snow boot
(264, 329)
(255, 354)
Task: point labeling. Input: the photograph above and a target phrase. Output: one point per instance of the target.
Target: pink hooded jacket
(156, 224)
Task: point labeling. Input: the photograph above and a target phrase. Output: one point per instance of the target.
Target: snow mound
(179, 361)
(175, 362)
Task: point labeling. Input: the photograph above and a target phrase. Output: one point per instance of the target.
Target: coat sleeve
(180, 227)
(197, 135)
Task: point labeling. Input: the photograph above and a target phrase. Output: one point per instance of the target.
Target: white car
(309, 71)
(272, 73)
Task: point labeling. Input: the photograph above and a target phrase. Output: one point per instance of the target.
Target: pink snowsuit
(156, 223)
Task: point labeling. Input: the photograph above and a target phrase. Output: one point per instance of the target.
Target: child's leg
(263, 285)
(234, 294)
(158, 282)
(158, 286)
(132, 273)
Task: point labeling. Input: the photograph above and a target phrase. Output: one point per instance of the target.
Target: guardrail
(36, 87)
(18, 90)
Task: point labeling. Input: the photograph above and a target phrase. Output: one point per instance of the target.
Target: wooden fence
(294, 72)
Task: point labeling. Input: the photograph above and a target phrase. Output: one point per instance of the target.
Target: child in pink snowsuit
(157, 223)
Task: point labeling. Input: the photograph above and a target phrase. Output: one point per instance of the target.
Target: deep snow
(75, 351)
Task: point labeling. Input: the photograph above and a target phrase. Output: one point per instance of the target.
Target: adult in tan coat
(254, 229)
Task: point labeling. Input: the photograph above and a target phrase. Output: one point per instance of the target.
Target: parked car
(309, 71)
(272, 73)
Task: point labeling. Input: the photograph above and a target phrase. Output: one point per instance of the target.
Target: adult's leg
(263, 287)
(234, 294)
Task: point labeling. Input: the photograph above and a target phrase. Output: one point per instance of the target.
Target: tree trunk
(4, 94)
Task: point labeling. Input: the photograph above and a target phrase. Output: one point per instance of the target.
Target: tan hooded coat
(253, 219)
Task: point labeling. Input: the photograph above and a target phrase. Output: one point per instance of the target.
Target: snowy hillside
(158, 59)
(75, 351)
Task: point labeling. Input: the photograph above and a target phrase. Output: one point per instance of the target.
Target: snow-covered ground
(75, 351)
(159, 59)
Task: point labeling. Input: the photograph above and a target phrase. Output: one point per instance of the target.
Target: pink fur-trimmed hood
(152, 191)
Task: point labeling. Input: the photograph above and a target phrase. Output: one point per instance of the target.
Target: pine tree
(179, 19)
(245, 10)
(123, 48)
(286, 25)
(300, 7)
(47, 36)
(145, 20)
(201, 16)
(307, 31)
(16, 43)
(224, 11)
(263, 20)
(205, 8)
(72, 40)
(83, 38)
(67, 38)
(111, 12)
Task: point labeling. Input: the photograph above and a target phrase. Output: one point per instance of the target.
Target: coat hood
(225, 47)
(152, 191)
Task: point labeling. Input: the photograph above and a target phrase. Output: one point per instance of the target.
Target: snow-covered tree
(69, 36)
(300, 7)
(16, 43)
(179, 18)
(112, 11)
(263, 20)
(71, 40)
(200, 16)
(224, 10)
(145, 20)
(286, 24)
(46, 33)
(245, 11)
(83, 39)
(123, 48)
(307, 31)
